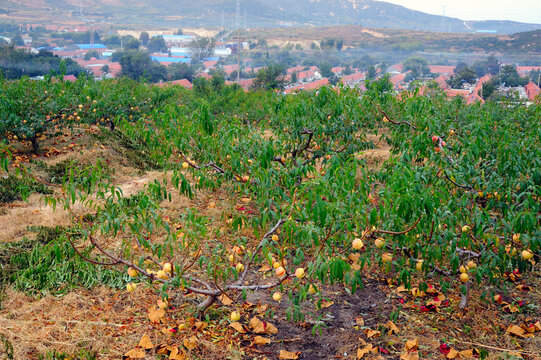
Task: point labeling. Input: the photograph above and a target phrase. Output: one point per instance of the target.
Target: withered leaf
(262, 327)
(325, 304)
(260, 340)
(372, 333)
(176, 354)
(288, 355)
(392, 327)
(237, 326)
(145, 342)
(190, 343)
(136, 353)
(366, 350)
(225, 299)
(156, 314)
(200, 325)
(515, 330)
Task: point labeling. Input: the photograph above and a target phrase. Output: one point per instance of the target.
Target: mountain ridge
(263, 13)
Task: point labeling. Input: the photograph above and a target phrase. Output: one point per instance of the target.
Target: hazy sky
(518, 10)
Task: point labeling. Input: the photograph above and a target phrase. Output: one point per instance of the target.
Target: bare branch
(400, 232)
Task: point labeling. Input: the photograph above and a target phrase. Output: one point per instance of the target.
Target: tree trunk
(35, 145)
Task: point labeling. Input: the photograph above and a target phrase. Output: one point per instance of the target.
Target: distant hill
(266, 13)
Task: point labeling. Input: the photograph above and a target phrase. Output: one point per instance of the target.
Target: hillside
(267, 13)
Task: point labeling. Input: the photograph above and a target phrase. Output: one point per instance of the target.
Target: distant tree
(493, 65)
(116, 56)
(371, 72)
(285, 58)
(325, 69)
(180, 71)
(327, 43)
(92, 54)
(202, 47)
(298, 47)
(339, 44)
(463, 76)
(179, 32)
(272, 77)
(3, 42)
(314, 46)
(105, 69)
(535, 76)
(113, 40)
(16, 63)
(138, 65)
(156, 44)
(132, 44)
(144, 37)
(364, 63)
(417, 65)
(348, 70)
(294, 76)
(488, 89)
(509, 77)
(17, 40)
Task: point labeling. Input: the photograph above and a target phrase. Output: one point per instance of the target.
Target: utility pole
(237, 24)
(443, 19)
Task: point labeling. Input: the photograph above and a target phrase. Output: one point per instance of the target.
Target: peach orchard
(458, 202)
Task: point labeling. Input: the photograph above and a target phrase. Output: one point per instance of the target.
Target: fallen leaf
(414, 355)
(325, 304)
(515, 330)
(359, 321)
(225, 299)
(366, 350)
(265, 268)
(392, 328)
(136, 353)
(145, 342)
(453, 354)
(412, 344)
(288, 355)
(467, 353)
(260, 340)
(262, 327)
(176, 354)
(237, 326)
(155, 314)
(200, 325)
(190, 343)
(372, 333)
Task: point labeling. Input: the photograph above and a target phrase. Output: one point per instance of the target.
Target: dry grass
(99, 320)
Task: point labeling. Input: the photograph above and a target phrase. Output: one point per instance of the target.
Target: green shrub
(13, 187)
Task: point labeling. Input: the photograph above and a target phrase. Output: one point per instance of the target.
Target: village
(231, 57)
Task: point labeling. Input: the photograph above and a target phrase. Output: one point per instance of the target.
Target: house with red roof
(210, 64)
(398, 80)
(228, 69)
(246, 84)
(308, 86)
(442, 81)
(457, 92)
(396, 68)
(183, 82)
(532, 90)
(479, 86)
(353, 79)
(338, 70)
(442, 69)
(525, 70)
(295, 69)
